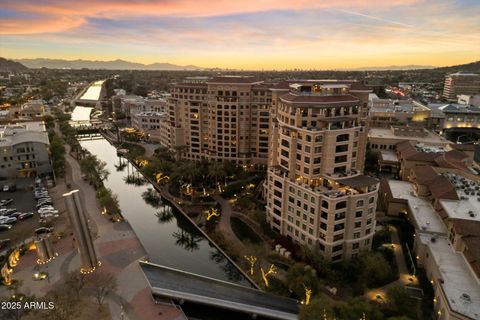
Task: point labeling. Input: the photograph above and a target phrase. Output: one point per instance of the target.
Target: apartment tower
(220, 118)
(316, 192)
(461, 83)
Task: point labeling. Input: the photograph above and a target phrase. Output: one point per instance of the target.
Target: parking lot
(24, 201)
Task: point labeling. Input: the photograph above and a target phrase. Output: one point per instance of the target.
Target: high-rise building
(316, 192)
(81, 230)
(461, 83)
(220, 118)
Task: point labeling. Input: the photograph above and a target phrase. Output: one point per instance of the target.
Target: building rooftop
(319, 99)
(468, 205)
(13, 134)
(424, 215)
(387, 155)
(457, 281)
(386, 133)
(234, 80)
(358, 181)
(464, 74)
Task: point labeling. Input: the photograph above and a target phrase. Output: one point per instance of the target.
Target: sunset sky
(246, 34)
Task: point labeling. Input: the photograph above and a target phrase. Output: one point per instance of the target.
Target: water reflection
(165, 214)
(169, 238)
(135, 180)
(152, 198)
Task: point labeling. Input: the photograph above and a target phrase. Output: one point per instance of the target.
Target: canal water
(168, 237)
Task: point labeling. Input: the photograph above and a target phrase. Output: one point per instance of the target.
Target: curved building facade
(316, 192)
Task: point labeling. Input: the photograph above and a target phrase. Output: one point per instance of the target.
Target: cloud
(74, 13)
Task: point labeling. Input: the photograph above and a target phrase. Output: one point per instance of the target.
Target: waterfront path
(117, 247)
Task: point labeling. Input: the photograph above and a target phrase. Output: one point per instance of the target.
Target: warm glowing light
(308, 294)
(212, 212)
(271, 270)
(252, 260)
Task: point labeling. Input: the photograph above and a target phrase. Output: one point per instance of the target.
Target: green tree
(57, 152)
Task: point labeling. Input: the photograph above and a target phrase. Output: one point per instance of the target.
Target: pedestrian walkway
(404, 279)
(118, 249)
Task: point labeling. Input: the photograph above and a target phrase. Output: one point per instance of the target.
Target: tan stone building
(220, 118)
(316, 194)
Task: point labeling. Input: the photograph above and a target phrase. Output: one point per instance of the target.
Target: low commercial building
(387, 138)
(444, 208)
(386, 112)
(149, 123)
(469, 99)
(24, 150)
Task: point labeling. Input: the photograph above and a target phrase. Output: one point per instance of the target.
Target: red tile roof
(424, 174)
(442, 188)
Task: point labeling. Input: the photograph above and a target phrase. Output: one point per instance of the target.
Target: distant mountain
(473, 67)
(407, 67)
(11, 66)
(107, 65)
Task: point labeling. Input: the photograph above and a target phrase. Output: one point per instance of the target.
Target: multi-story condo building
(149, 123)
(461, 83)
(24, 150)
(316, 193)
(220, 118)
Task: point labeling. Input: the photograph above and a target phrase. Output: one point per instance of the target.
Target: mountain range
(24, 64)
(11, 66)
(106, 65)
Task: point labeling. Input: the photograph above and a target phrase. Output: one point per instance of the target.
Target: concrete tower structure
(45, 250)
(81, 230)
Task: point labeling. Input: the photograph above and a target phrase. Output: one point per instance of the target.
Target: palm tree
(217, 171)
(179, 151)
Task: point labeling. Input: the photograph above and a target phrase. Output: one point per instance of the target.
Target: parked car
(49, 215)
(26, 215)
(6, 202)
(12, 188)
(5, 188)
(50, 211)
(44, 203)
(8, 212)
(5, 227)
(15, 215)
(43, 230)
(8, 220)
(45, 209)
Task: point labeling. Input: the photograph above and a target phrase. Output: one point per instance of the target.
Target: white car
(45, 209)
(8, 220)
(52, 211)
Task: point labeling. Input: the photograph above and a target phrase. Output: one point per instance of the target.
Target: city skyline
(256, 35)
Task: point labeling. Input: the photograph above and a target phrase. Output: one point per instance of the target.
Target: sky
(245, 34)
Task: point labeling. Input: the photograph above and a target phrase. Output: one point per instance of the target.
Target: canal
(168, 237)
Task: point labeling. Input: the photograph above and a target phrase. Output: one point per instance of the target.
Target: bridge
(184, 286)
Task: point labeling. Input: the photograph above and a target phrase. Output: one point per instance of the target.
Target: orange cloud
(39, 25)
(59, 15)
